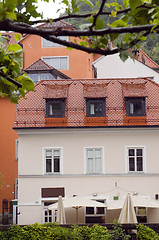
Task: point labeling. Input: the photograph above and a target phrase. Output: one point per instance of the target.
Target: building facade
(92, 138)
(141, 66)
(73, 63)
(9, 158)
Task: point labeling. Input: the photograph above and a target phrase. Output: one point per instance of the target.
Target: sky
(49, 9)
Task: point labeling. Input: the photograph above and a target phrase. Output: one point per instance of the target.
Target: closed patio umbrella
(77, 202)
(60, 211)
(127, 214)
(138, 201)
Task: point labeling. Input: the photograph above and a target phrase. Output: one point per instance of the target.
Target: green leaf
(88, 2)
(126, 3)
(84, 43)
(134, 4)
(17, 36)
(10, 5)
(5, 70)
(99, 23)
(124, 55)
(11, 15)
(113, 36)
(119, 23)
(14, 48)
(26, 82)
(116, 5)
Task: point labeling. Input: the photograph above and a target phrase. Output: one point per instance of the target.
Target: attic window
(95, 107)
(135, 106)
(55, 108)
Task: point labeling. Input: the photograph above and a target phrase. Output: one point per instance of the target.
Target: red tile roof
(56, 91)
(58, 24)
(134, 90)
(38, 65)
(31, 111)
(142, 57)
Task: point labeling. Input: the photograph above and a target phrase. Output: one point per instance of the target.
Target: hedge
(54, 231)
(146, 233)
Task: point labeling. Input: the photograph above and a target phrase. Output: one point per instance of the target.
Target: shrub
(118, 232)
(146, 233)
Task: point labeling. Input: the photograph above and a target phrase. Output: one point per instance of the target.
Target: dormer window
(95, 107)
(135, 106)
(55, 108)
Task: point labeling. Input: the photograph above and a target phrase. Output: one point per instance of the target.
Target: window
(94, 160)
(135, 159)
(141, 214)
(95, 107)
(16, 149)
(48, 44)
(55, 108)
(135, 106)
(60, 63)
(41, 76)
(51, 215)
(53, 160)
(95, 215)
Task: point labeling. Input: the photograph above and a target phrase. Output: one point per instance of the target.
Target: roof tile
(38, 65)
(31, 111)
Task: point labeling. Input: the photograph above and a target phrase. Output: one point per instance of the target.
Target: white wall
(114, 181)
(113, 67)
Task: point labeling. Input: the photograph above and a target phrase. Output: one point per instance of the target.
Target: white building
(113, 67)
(92, 138)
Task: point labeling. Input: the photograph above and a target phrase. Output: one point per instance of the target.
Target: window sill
(136, 172)
(53, 173)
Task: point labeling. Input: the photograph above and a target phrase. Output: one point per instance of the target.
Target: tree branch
(19, 85)
(97, 15)
(8, 25)
(106, 13)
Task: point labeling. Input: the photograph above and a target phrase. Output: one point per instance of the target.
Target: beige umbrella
(127, 214)
(60, 211)
(77, 202)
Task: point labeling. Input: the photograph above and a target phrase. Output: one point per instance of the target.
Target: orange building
(8, 160)
(8, 144)
(73, 63)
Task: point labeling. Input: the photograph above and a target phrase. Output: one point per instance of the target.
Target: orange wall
(8, 164)
(79, 61)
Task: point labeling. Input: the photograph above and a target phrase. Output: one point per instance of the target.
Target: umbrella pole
(76, 215)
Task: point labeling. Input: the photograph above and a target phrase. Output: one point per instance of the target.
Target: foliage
(151, 47)
(12, 82)
(134, 19)
(54, 231)
(119, 233)
(128, 22)
(146, 233)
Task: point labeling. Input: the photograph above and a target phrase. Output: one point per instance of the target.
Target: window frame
(95, 214)
(86, 160)
(141, 216)
(52, 44)
(93, 101)
(60, 161)
(62, 101)
(16, 149)
(39, 78)
(46, 213)
(140, 100)
(57, 57)
(143, 157)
